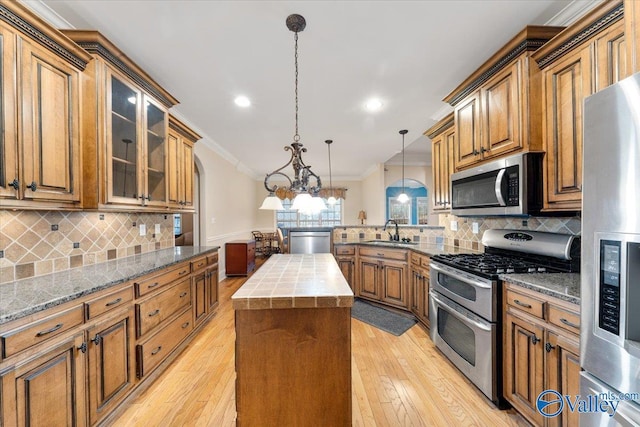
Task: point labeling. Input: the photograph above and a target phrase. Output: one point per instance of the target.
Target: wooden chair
(259, 238)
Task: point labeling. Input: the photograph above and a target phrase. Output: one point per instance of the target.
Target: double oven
(465, 297)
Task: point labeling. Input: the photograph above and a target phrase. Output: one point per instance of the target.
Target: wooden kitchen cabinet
(346, 258)
(573, 67)
(180, 168)
(40, 166)
(111, 365)
(497, 108)
(419, 276)
(442, 136)
(124, 130)
(383, 276)
(240, 257)
(632, 29)
(204, 287)
(47, 389)
(541, 352)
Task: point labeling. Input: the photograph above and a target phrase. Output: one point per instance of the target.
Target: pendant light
(306, 199)
(403, 198)
(331, 200)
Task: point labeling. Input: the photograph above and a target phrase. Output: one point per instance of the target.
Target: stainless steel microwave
(507, 186)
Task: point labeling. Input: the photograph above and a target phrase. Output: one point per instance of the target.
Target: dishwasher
(309, 241)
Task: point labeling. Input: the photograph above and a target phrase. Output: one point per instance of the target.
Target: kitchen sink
(390, 242)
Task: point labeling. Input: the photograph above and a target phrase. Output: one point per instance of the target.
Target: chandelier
(306, 200)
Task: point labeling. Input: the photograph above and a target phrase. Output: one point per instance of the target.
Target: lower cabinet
(110, 346)
(74, 364)
(541, 352)
(49, 388)
(346, 258)
(383, 276)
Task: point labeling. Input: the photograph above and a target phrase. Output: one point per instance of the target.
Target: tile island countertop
(295, 281)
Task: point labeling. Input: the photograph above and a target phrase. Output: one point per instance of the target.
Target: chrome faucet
(395, 237)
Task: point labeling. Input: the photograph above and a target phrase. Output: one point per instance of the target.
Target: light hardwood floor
(397, 381)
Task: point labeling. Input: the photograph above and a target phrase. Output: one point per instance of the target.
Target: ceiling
(410, 54)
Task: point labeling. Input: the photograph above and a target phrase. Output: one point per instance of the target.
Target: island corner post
(293, 344)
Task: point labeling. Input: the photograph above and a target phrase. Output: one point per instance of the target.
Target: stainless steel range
(465, 297)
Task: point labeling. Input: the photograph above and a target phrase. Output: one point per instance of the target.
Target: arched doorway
(413, 212)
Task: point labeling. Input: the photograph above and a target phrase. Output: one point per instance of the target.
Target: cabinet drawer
(20, 339)
(526, 303)
(212, 259)
(154, 351)
(109, 302)
(384, 253)
(345, 250)
(148, 285)
(415, 258)
(155, 310)
(565, 319)
(198, 263)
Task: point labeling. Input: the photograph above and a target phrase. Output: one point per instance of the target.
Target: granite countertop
(429, 249)
(564, 286)
(24, 297)
(295, 281)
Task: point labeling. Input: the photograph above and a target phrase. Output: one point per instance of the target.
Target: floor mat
(386, 320)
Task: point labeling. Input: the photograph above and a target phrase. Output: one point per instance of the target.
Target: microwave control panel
(513, 185)
(609, 299)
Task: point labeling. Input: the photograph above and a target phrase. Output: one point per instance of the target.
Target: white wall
(373, 190)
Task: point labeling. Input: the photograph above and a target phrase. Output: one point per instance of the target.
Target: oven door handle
(498, 187)
(476, 283)
(461, 317)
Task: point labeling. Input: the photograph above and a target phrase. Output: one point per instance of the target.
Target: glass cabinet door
(124, 179)
(156, 160)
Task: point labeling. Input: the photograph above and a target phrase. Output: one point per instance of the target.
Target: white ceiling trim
(572, 12)
(46, 13)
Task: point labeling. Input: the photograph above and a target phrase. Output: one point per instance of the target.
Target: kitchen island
(293, 343)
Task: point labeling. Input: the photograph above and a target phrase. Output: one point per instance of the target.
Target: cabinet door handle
(156, 351)
(154, 313)
(549, 347)
(522, 304)
(48, 331)
(15, 184)
(114, 302)
(97, 339)
(185, 324)
(476, 152)
(568, 323)
(153, 285)
(534, 339)
(33, 186)
(83, 347)
(184, 294)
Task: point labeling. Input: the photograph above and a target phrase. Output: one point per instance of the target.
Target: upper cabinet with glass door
(126, 146)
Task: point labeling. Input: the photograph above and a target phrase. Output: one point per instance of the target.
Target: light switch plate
(454, 225)
(143, 230)
(157, 229)
(475, 228)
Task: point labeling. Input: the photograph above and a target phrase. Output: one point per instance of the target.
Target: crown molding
(572, 12)
(46, 13)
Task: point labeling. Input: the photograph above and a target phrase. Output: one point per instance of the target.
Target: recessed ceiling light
(242, 101)
(374, 104)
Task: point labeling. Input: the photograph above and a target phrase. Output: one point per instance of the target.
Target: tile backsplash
(423, 234)
(465, 237)
(34, 243)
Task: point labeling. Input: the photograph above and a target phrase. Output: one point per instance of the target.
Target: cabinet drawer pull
(182, 272)
(185, 324)
(184, 294)
(379, 254)
(154, 313)
(156, 351)
(114, 302)
(153, 285)
(33, 186)
(48, 331)
(568, 323)
(522, 304)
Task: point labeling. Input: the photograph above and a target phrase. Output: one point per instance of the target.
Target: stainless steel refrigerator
(610, 270)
